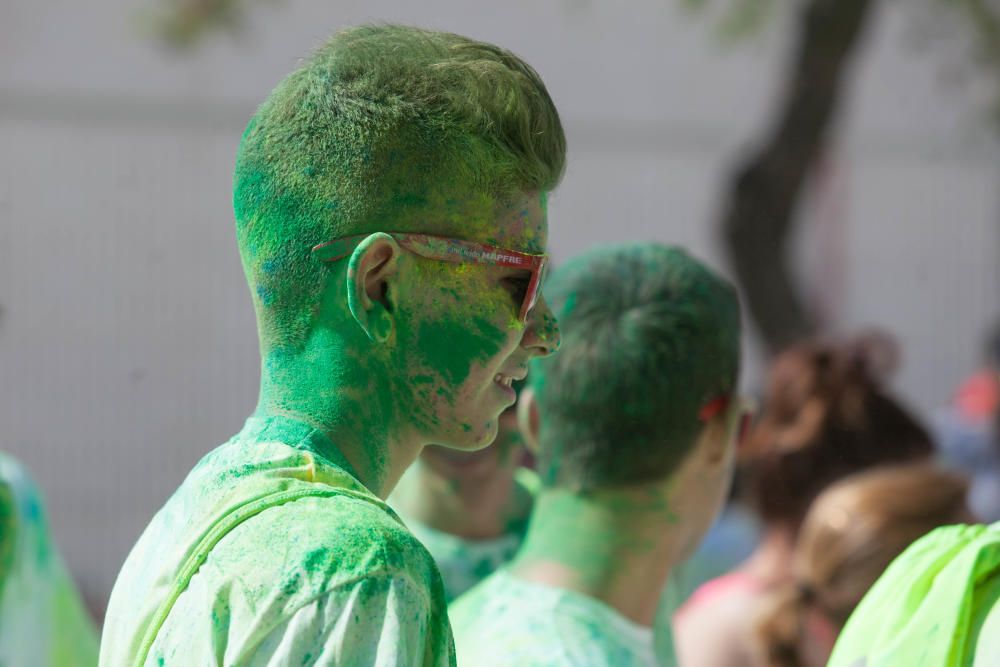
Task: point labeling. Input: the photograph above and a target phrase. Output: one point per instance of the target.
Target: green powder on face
(452, 347)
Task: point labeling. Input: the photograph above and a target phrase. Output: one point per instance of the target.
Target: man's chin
(479, 439)
(470, 460)
(469, 439)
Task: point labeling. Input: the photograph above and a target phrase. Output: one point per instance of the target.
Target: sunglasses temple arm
(531, 296)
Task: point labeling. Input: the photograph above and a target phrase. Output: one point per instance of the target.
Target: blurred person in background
(470, 509)
(826, 416)
(634, 424)
(968, 431)
(391, 216)
(43, 622)
(937, 604)
(853, 531)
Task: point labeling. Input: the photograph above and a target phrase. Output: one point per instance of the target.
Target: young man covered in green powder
(634, 424)
(390, 201)
(470, 509)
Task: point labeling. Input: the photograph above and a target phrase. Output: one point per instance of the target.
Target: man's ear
(715, 438)
(528, 419)
(373, 264)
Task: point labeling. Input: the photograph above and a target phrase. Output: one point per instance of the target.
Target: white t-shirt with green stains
(464, 563)
(507, 621)
(42, 620)
(315, 581)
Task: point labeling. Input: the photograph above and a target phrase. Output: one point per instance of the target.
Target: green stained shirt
(506, 621)
(937, 605)
(464, 563)
(333, 580)
(42, 621)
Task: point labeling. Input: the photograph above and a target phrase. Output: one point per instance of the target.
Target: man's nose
(541, 336)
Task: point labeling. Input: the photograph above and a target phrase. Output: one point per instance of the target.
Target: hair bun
(873, 353)
(826, 416)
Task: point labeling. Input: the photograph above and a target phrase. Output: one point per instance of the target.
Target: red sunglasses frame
(446, 249)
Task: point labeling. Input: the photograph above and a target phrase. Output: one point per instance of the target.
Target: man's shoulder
(319, 512)
(299, 569)
(334, 541)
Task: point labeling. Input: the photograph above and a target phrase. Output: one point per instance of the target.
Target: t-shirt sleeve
(383, 621)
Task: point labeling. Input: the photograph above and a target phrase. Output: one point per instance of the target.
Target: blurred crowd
(840, 477)
(835, 479)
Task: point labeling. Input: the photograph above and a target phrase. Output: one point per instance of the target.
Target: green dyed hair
(371, 125)
(649, 335)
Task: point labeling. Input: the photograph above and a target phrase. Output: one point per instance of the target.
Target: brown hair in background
(850, 536)
(826, 415)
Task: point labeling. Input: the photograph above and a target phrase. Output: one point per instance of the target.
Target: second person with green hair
(634, 423)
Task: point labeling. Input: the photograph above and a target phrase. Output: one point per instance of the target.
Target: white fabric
(314, 581)
(506, 621)
(464, 563)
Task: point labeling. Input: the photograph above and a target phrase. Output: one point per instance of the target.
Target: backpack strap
(233, 518)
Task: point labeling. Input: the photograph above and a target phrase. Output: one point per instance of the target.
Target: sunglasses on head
(445, 249)
(744, 410)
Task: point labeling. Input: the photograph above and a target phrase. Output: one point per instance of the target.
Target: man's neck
(478, 509)
(370, 434)
(374, 464)
(617, 547)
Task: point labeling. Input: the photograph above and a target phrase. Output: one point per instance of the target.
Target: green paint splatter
(452, 347)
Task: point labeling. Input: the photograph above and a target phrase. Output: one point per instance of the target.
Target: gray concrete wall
(127, 346)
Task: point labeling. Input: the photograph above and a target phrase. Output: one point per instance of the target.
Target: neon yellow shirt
(506, 621)
(937, 605)
(42, 621)
(331, 580)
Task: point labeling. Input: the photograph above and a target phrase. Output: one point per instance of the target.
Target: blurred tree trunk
(758, 219)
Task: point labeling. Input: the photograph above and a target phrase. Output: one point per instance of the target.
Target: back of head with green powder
(649, 336)
(382, 129)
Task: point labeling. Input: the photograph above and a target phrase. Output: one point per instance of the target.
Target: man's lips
(510, 377)
(504, 381)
